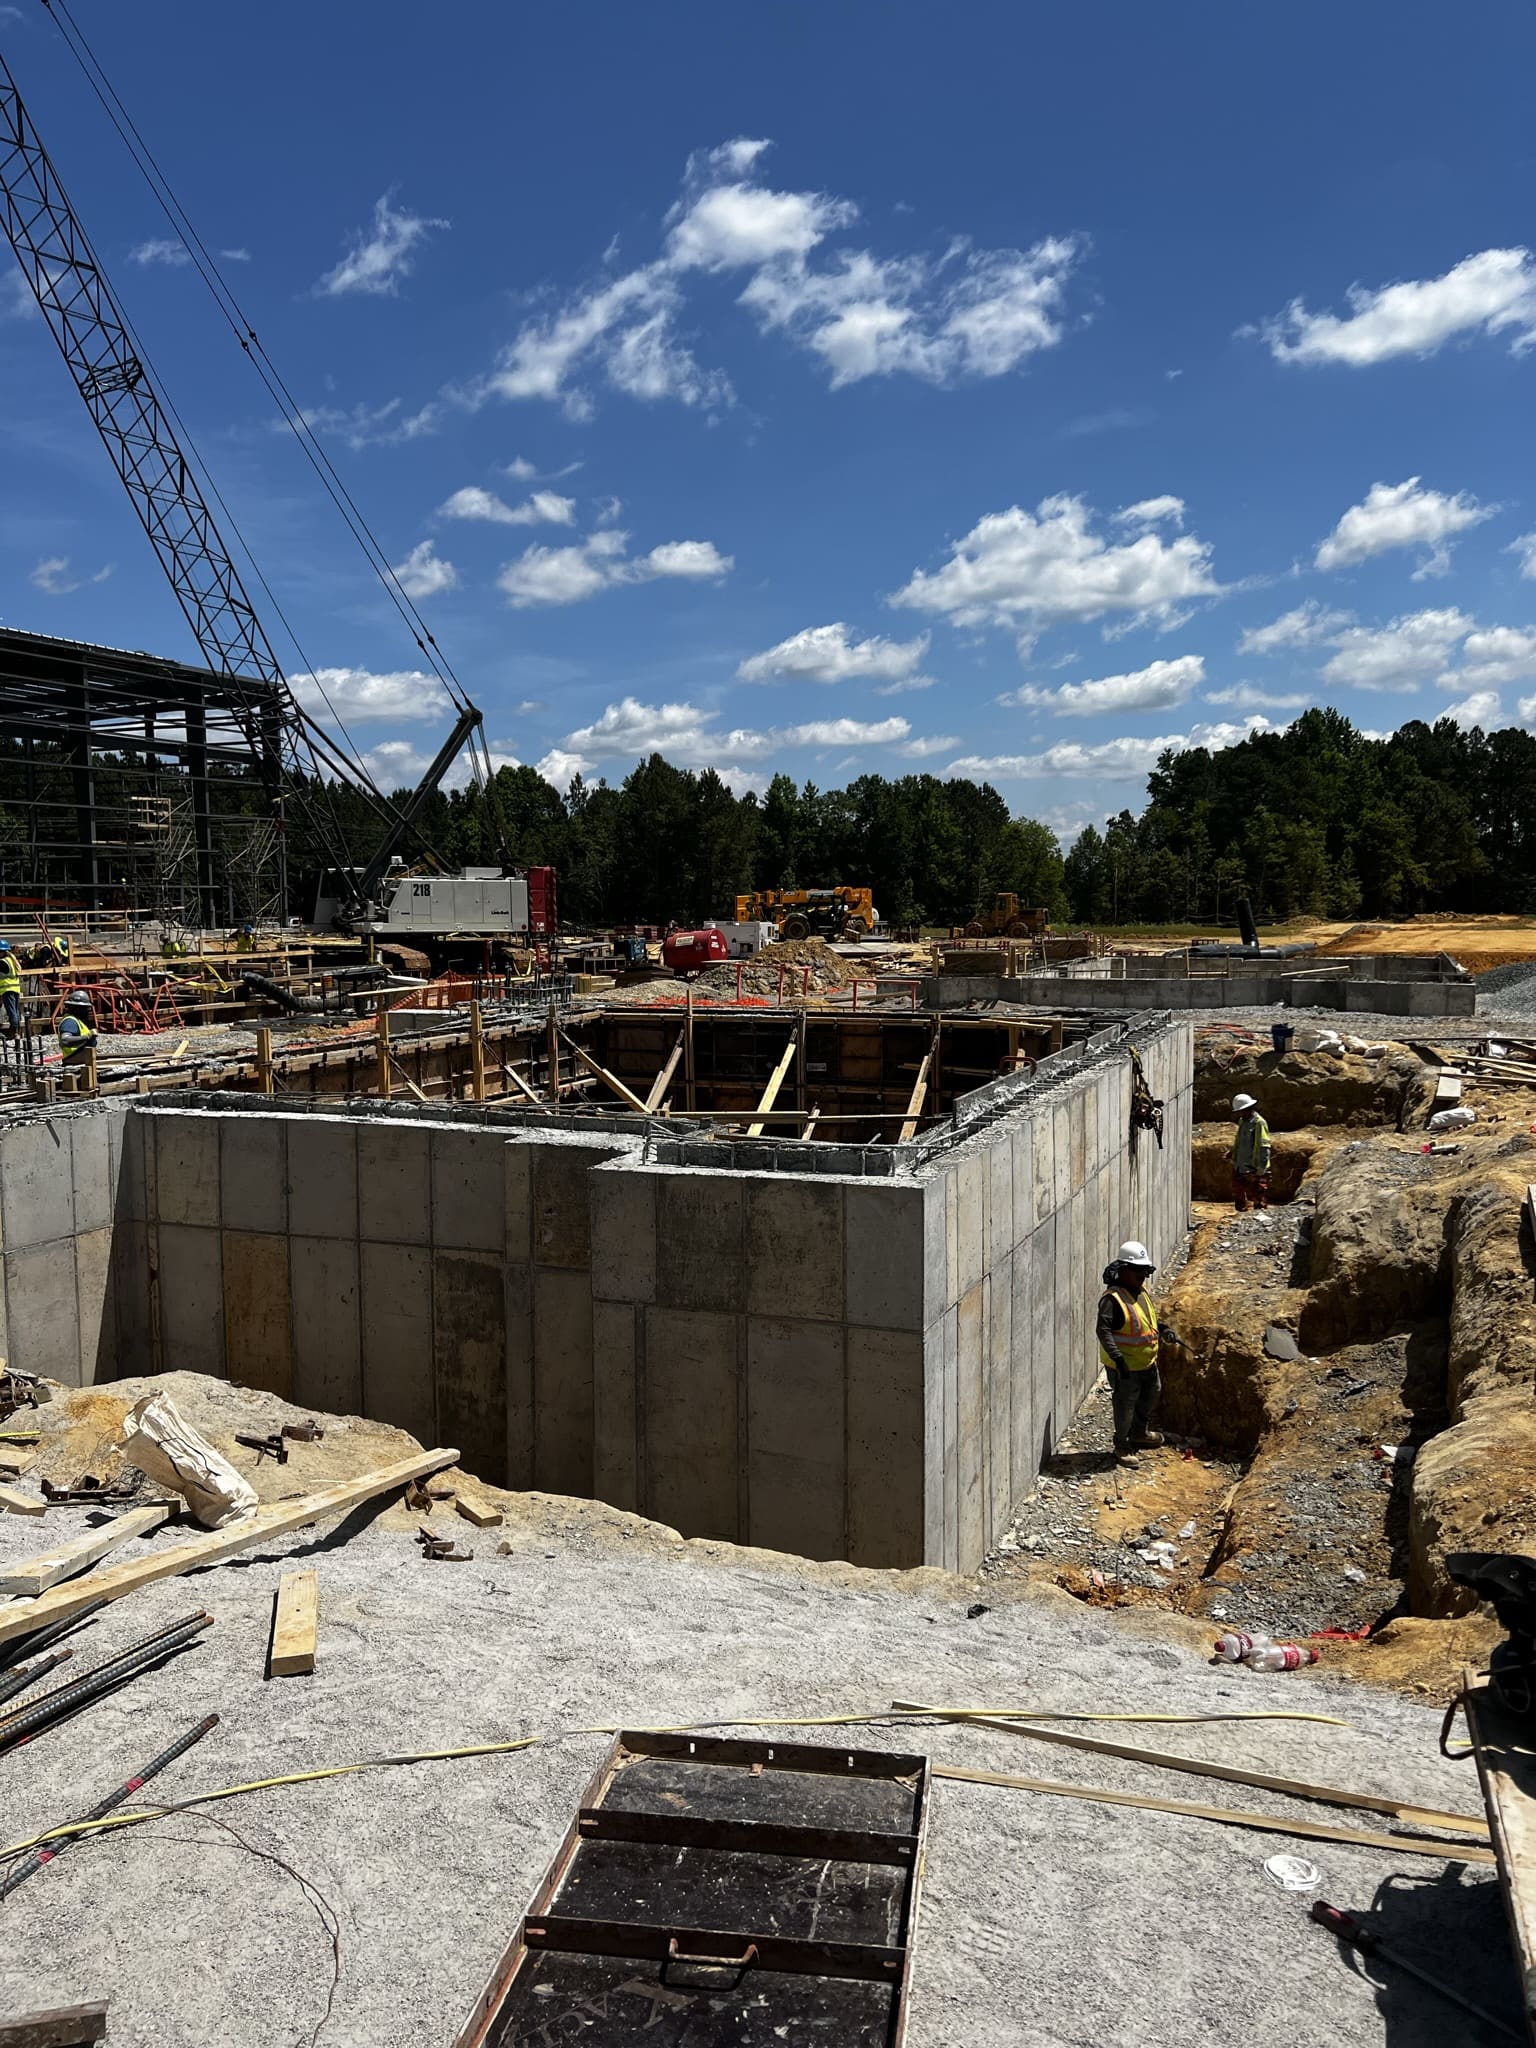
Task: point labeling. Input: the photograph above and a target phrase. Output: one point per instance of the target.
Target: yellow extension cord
(433, 1756)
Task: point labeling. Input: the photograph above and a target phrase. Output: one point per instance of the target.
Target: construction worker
(10, 989)
(1128, 1345)
(1250, 1155)
(77, 1027)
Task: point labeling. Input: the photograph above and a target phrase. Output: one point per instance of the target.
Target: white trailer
(744, 939)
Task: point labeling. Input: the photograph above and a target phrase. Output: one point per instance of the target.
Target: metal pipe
(36, 1861)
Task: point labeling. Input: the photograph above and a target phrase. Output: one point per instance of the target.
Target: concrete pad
(885, 1436)
(794, 1247)
(469, 1344)
(258, 1344)
(394, 1184)
(253, 1172)
(36, 1198)
(796, 1437)
(187, 1298)
(396, 1302)
(324, 1282)
(186, 1168)
(562, 1227)
(42, 1311)
(322, 1177)
(617, 1332)
(562, 1381)
(692, 1418)
(97, 1320)
(469, 1192)
(622, 1205)
(884, 1233)
(90, 1169)
(700, 1226)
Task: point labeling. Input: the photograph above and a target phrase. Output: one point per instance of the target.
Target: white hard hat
(1131, 1253)
(1242, 1102)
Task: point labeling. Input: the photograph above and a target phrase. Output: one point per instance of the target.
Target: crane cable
(294, 417)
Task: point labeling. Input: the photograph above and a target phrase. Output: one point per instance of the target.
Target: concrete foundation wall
(866, 1365)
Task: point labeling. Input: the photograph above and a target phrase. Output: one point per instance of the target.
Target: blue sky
(837, 389)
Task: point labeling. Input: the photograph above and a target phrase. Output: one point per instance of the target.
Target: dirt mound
(1238, 1280)
(1380, 1248)
(809, 966)
(1296, 1090)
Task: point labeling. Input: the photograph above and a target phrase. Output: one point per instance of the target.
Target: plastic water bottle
(1280, 1656)
(1233, 1647)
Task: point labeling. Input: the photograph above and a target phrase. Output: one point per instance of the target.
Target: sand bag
(165, 1446)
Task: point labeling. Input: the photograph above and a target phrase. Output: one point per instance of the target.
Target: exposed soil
(1477, 942)
(1355, 1396)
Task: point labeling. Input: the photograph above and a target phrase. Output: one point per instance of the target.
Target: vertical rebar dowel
(36, 1861)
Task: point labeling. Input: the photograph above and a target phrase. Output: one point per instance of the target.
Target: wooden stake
(689, 1096)
(386, 1066)
(770, 1092)
(476, 1053)
(609, 1080)
(663, 1080)
(264, 1058)
(914, 1105)
(295, 1624)
(812, 1120)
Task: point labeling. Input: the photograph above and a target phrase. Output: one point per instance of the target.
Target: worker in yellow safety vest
(1250, 1155)
(77, 1028)
(10, 988)
(1129, 1338)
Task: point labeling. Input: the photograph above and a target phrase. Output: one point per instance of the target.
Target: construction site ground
(1044, 1921)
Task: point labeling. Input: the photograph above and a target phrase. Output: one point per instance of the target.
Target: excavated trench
(1356, 1396)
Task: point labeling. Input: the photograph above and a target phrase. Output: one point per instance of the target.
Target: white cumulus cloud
(1306, 626)
(1495, 655)
(690, 737)
(1523, 548)
(961, 313)
(922, 750)
(1245, 697)
(424, 573)
(355, 696)
(556, 576)
(1124, 759)
(830, 654)
(161, 250)
(380, 255)
(1157, 687)
(1483, 708)
(1491, 293)
(1410, 650)
(1402, 515)
(1049, 567)
(543, 508)
(1152, 512)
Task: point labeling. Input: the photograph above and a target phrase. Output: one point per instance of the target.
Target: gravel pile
(1508, 991)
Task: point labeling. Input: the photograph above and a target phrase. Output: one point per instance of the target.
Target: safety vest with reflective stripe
(74, 1037)
(1138, 1339)
(10, 975)
(1250, 1147)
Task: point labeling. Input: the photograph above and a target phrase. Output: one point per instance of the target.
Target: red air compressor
(685, 952)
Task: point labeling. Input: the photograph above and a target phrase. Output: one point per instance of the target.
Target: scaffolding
(129, 785)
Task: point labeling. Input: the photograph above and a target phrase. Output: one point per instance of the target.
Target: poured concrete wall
(1210, 992)
(866, 1360)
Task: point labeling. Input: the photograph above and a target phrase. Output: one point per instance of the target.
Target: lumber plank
(609, 1080)
(15, 1461)
(33, 1575)
(14, 1503)
(1506, 1768)
(295, 1624)
(61, 2026)
(1295, 1788)
(480, 1512)
(915, 1103)
(1230, 1816)
(214, 1545)
(663, 1080)
(771, 1090)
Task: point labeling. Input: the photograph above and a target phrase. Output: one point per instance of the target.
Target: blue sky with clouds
(1011, 391)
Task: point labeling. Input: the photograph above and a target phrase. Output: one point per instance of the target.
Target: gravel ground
(1045, 1923)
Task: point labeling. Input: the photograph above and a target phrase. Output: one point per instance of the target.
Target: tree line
(1320, 819)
